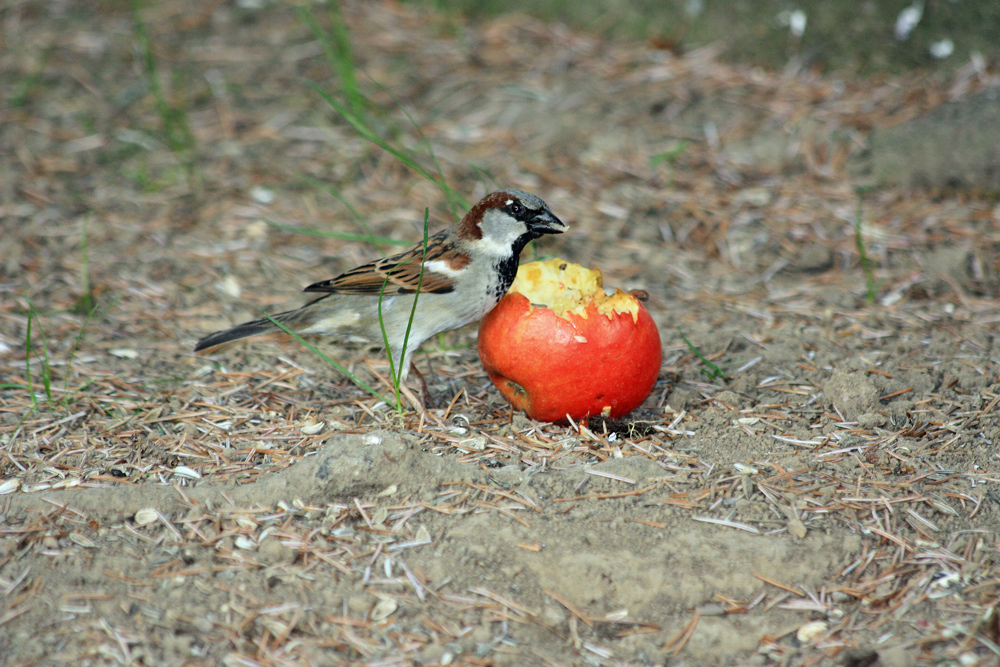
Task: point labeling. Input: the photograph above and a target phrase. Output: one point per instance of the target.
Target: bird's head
(506, 220)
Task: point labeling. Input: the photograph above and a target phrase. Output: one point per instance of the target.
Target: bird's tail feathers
(248, 329)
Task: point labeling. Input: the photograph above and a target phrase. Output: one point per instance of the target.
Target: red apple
(557, 345)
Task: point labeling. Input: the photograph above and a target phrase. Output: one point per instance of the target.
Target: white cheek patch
(497, 247)
(500, 232)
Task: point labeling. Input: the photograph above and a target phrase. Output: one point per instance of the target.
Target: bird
(456, 278)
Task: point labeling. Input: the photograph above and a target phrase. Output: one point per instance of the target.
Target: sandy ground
(833, 500)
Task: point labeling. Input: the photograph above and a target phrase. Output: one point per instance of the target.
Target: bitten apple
(559, 345)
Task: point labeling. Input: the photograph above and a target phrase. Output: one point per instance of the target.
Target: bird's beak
(546, 223)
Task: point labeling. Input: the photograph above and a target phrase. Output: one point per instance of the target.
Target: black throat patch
(506, 268)
(506, 272)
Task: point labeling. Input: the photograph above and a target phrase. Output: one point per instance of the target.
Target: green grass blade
(177, 131)
(397, 373)
(27, 359)
(711, 370)
(670, 156)
(388, 349)
(353, 378)
(871, 289)
(46, 364)
(85, 304)
(487, 176)
(455, 200)
(336, 45)
(374, 239)
(336, 195)
(416, 296)
(345, 236)
(368, 134)
(30, 82)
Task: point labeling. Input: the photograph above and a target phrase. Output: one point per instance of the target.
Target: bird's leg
(417, 404)
(426, 394)
(400, 390)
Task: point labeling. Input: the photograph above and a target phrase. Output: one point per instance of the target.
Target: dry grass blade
(570, 607)
(677, 643)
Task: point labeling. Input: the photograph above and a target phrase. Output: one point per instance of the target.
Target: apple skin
(553, 365)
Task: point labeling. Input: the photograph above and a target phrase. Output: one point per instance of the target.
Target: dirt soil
(832, 500)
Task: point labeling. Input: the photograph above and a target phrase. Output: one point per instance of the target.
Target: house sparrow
(467, 269)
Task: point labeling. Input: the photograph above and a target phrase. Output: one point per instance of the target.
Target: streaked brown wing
(398, 274)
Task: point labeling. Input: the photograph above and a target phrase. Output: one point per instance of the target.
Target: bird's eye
(516, 208)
